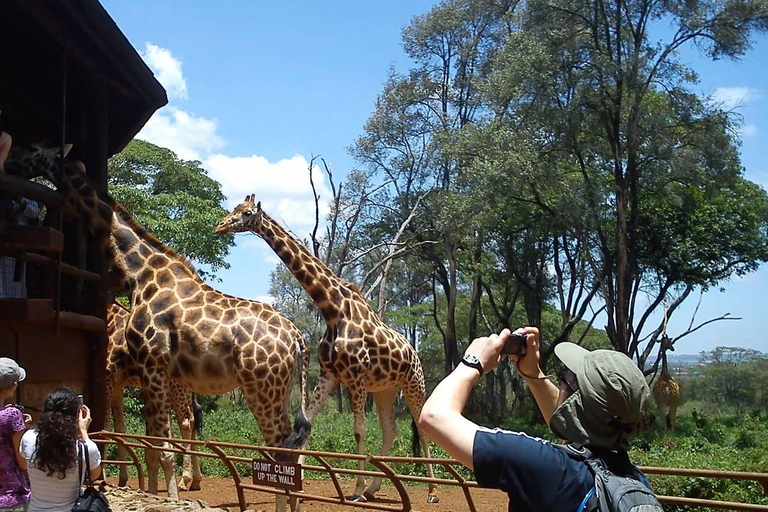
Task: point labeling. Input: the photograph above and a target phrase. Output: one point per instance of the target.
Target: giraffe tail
(197, 413)
(415, 439)
(300, 435)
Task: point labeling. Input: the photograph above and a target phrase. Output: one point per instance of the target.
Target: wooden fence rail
(383, 465)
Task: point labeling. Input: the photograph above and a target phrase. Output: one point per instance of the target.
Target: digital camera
(516, 345)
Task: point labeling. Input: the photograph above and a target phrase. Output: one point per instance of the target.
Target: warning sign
(283, 475)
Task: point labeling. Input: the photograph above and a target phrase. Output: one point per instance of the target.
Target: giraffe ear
(258, 206)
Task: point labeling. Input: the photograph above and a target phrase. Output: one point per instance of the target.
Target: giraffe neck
(129, 248)
(664, 370)
(326, 288)
(138, 254)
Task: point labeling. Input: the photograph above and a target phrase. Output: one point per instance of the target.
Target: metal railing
(383, 465)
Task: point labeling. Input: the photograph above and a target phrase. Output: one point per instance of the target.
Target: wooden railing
(323, 464)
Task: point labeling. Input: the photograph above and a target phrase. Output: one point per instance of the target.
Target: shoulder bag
(90, 499)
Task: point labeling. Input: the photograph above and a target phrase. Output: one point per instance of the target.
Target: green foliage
(174, 199)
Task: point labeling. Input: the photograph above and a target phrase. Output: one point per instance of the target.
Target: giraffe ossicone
(358, 350)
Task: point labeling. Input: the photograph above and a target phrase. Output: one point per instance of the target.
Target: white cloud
(191, 137)
(282, 187)
(748, 130)
(730, 98)
(167, 70)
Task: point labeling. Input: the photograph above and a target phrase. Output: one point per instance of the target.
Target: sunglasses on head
(569, 378)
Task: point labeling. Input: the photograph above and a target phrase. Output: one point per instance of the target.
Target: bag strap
(80, 475)
(87, 473)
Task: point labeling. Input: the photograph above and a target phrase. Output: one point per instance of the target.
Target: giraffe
(358, 350)
(666, 391)
(181, 329)
(184, 405)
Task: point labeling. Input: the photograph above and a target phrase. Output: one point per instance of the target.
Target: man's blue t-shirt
(536, 476)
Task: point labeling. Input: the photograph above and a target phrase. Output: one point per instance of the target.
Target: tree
(174, 199)
(415, 117)
(608, 112)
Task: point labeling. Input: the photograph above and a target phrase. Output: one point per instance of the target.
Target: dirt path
(221, 493)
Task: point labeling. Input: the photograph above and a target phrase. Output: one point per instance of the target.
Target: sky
(257, 89)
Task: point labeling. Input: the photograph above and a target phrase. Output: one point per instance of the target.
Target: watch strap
(473, 362)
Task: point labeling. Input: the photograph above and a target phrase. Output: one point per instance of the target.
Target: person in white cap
(599, 404)
(14, 489)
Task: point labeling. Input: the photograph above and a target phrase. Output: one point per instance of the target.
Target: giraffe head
(667, 343)
(245, 217)
(35, 161)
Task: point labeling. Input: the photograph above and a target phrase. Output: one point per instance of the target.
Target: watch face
(471, 359)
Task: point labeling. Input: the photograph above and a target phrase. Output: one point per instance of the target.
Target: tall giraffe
(666, 391)
(358, 349)
(181, 329)
(118, 377)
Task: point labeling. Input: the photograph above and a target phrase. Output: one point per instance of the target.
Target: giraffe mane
(124, 214)
(151, 239)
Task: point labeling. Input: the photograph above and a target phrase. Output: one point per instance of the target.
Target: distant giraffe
(358, 349)
(184, 405)
(181, 329)
(666, 391)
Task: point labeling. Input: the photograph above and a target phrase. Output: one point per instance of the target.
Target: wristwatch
(472, 362)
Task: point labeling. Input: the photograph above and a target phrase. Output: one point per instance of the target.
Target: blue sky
(256, 89)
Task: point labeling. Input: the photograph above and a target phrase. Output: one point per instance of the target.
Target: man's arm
(545, 393)
(441, 417)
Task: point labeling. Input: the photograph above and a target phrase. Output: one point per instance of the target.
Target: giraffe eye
(248, 213)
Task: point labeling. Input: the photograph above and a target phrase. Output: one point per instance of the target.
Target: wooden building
(67, 75)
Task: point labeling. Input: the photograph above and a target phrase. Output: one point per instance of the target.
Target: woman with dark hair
(51, 452)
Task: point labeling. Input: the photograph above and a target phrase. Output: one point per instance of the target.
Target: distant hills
(683, 359)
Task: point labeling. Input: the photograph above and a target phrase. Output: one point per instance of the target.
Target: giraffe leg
(323, 388)
(415, 396)
(118, 416)
(358, 395)
(385, 405)
(274, 421)
(672, 415)
(182, 407)
(664, 413)
(158, 419)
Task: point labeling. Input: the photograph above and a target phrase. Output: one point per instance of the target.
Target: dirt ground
(221, 493)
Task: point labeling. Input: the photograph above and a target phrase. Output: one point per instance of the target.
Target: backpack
(614, 492)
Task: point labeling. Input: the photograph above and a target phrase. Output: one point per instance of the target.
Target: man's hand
(528, 366)
(488, 349)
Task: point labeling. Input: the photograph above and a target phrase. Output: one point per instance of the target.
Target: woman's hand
(84, 421)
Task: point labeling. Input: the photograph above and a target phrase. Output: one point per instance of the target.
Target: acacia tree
(174, 199)
(612, 122)
(415, 117)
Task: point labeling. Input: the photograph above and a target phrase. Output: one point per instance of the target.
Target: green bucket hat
(609, 404)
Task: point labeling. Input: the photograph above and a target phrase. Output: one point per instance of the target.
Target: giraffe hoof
(357, 498)
(368, 496)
